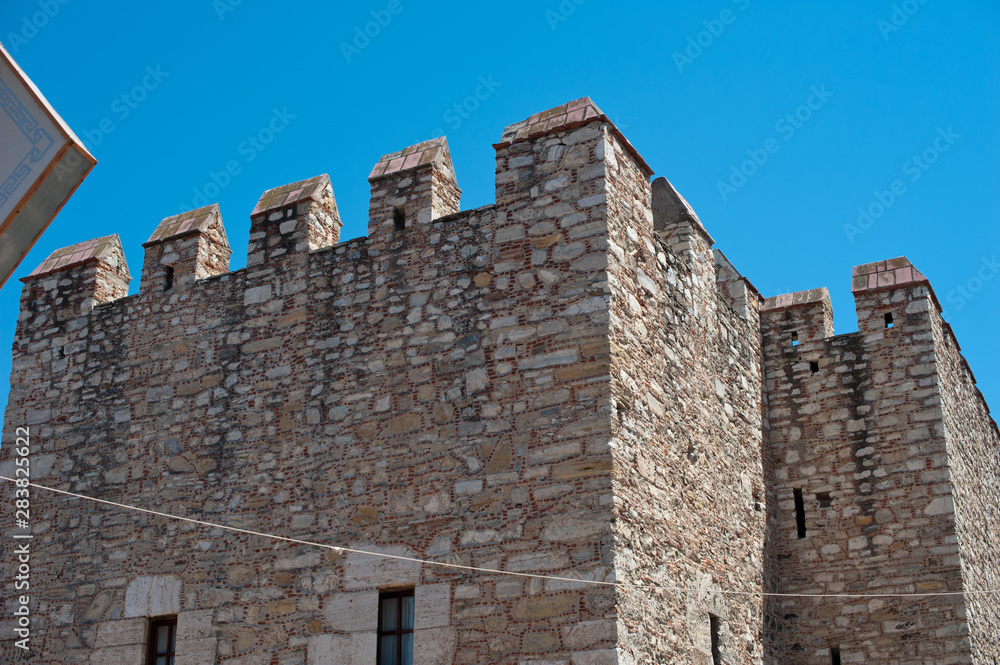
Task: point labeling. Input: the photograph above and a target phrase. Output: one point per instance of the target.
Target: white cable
(494, 571)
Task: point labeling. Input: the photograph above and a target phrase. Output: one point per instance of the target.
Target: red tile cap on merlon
(566, 115)
(886, 274)
(795, 299)
(428, 152)
(193, 221)
(312, 189)
(562, 117)
(107, 249)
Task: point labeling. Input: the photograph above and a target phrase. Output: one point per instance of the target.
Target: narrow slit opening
(835, 655)
(800, 514)
(168, 278)
(814, 367)
(888, 320)
(795, 339)
(716, 654)
(398, 218)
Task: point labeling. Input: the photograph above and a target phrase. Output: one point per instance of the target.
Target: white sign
(41, 164)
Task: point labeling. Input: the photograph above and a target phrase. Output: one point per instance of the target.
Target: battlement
(185, 248)
(409, 189)
(885, 294)
(73, 280)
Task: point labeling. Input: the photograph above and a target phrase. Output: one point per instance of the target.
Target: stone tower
(885, 466)
(572, 430)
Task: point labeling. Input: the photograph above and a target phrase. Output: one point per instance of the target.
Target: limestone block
(194, 625)
(432, 605)
(200, 651)
(134, 653)
(940, 506)
(596, 657)
(435, 646)
(355, 649)
(257, 294)
(362, 571)
(120, 633)
(328, 650)
(153, 595)
(589, 633)
(352, 612)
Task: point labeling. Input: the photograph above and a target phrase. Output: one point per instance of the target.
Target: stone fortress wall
(570, 382)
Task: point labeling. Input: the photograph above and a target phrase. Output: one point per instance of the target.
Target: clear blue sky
(885, 84)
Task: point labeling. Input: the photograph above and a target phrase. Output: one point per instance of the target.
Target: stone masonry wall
(443, 397)
(569, 382)
(687, 439)
(856, 427)
(974, 462)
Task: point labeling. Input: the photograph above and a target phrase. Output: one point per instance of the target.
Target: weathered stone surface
(436, 601)
(435, 646)
(153, 595)
(120, 633)
(544, 607)
(351, 612)
(353, 649)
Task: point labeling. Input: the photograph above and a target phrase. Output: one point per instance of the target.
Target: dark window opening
(835, 655)
(825, 501)
(814, 367)
(168, 278)
(795, 339)
(888, 319)
(398, 218)
(395, 628)
(800, 514)
(716, 655)
(162, 641)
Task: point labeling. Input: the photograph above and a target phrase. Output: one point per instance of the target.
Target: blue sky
(834, 109)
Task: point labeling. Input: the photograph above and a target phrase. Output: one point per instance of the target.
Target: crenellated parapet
(556, 163)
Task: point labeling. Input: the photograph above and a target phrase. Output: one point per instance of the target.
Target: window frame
(154, 624)
(399, 632)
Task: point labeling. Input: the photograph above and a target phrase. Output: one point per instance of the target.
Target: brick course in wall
(570, 382)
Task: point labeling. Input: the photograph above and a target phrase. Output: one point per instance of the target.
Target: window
(398, 218)
(162, 641)
(395, 628)
(800, 514)
(168, 278)
(814, 367)
(714, 624)
(888, 320)
(835, 655)
(795, 339)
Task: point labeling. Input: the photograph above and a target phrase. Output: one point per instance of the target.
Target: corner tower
(874, 436)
